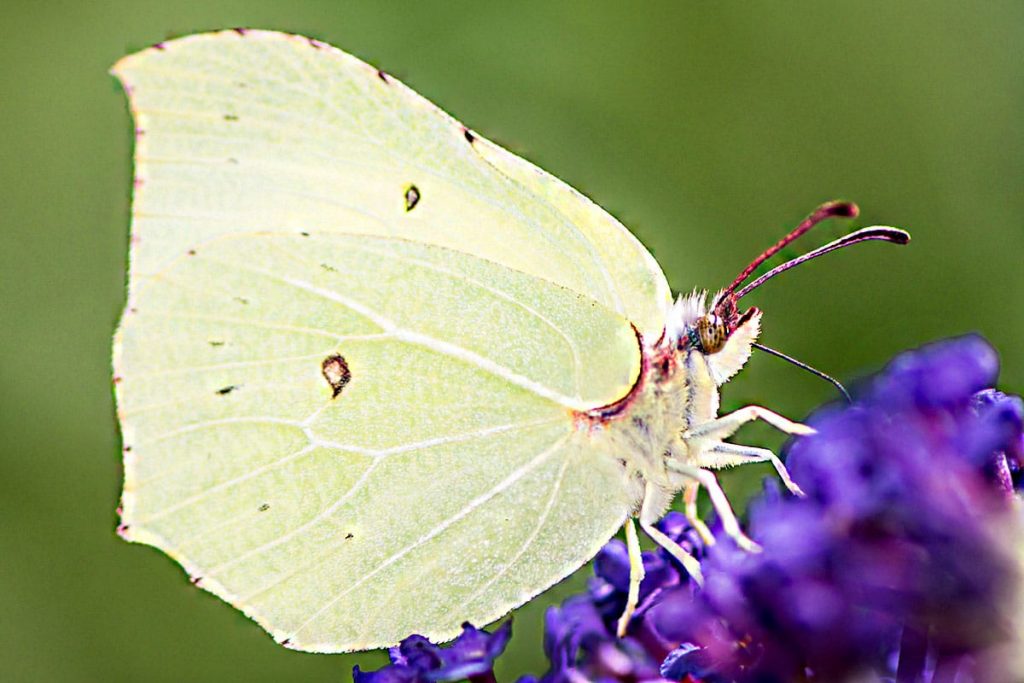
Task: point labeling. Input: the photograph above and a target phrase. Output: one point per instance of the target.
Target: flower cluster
(902, 561)
(416, 660)
(580, 637)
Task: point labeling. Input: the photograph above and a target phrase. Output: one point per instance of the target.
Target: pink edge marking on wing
(618, 408)
(240, 31)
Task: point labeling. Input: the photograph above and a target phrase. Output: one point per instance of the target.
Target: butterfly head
(723, 332)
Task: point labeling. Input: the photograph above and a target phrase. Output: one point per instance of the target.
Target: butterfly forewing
(261, 130)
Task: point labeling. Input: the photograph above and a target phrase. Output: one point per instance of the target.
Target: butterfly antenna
(822, 213)
(789, 359)
(883, 234)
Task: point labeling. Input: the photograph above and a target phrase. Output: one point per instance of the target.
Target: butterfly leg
(690, 492)
(636, 576)
(708, 480)
(728, 454)
(725, 426)
(651, 513)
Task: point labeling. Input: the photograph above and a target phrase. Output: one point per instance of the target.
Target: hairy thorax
(647, 428)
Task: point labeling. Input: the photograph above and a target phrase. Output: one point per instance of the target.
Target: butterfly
(376, 375)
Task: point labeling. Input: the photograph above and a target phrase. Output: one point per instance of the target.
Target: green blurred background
(708, 128)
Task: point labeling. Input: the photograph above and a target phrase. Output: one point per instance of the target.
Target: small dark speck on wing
(412, 197)
(336, 371)
(227, 390)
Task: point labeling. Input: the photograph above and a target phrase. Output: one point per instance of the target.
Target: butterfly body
(677, 389)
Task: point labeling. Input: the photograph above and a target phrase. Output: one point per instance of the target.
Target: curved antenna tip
(878, 233)
(840, 209)
(887, 233)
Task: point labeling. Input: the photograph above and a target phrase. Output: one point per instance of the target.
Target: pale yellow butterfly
(379, 376)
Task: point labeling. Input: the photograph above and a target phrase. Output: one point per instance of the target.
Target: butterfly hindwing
(353, 438)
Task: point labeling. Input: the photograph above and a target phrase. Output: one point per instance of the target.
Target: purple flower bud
(417, 660)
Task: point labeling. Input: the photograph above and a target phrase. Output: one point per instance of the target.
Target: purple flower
(580, 638)
(416, 660)
(900, 559)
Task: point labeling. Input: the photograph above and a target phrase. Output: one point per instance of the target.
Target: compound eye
(712, 334)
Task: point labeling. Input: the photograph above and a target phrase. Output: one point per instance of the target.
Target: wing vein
(497, 489)
(205, 493)
(573, 349)
(195, 426)
(428, 342)
(238, 364)
(326, 512)
(541, 521)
